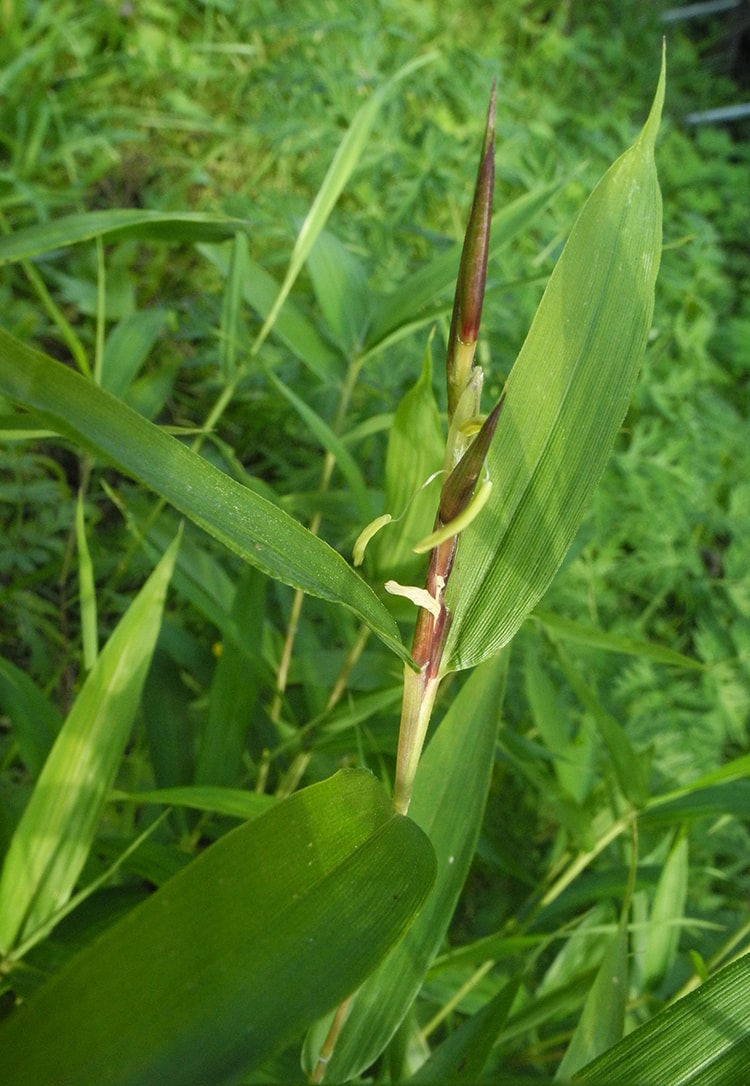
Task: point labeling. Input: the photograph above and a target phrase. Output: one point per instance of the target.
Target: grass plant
(231, 239)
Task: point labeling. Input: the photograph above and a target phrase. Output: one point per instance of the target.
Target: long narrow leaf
(248, 524)
(301, 336)
(338, 174)
(53, 838)
(235, 955)
(331, 442)
(125, 222)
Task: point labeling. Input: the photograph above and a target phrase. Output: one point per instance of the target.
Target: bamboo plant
(325, 910)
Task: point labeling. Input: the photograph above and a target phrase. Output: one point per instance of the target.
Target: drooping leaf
(228, 961)
(566, 398)
(248, 524)
(118, 223)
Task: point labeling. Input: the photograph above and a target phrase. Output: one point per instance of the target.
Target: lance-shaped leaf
(234, 956)
(566, 398)
(248, 524)
(472, 272)
(54, 835)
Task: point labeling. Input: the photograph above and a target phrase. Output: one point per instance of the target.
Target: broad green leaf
(53, 838)
(248, 524)
(270, 927)
(566, 397)
(449, 798)
(118, 223)
(702, 1039)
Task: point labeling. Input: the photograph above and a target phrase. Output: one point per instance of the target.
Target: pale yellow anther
(418, 596)
(364, 537)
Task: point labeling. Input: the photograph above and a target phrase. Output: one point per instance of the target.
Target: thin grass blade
(339, 172)
(53, 838)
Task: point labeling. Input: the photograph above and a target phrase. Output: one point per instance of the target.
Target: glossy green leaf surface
(702, 1039)
(566, 398)
(53, 838)
(449, 798)
(270, 927)
(248, 524)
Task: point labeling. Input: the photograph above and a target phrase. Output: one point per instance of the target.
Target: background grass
(240, 108)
